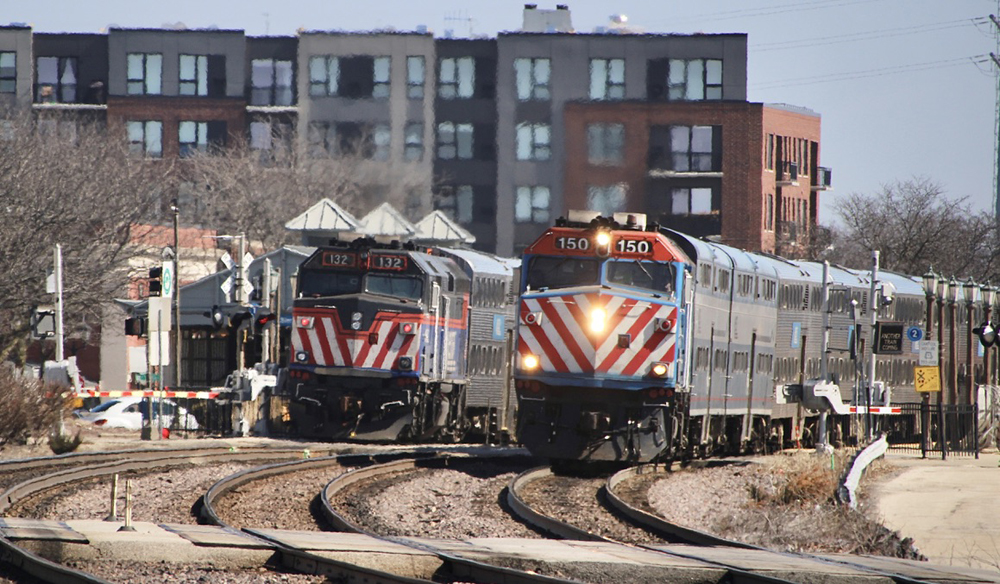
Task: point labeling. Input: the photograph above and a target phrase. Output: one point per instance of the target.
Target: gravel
(254, 504)
(142, 573)
(454, 503)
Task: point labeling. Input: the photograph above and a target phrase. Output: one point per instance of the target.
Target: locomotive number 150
(580, 243)
(636, 246)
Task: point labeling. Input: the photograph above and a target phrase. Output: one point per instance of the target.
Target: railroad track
(73, 468)
(667, 530)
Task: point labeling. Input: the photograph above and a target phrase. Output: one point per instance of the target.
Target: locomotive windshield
(650, 275)
(316, 283)
(400, 287)
(562, 272)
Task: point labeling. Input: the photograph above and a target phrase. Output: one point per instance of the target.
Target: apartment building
(503, 134)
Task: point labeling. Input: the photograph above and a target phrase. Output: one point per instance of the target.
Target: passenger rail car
(392, 342)
(614, 365)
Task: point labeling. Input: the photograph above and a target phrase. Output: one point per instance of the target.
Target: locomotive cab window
(323, 283)
(409, 288)
(649, 275)
(561, 272)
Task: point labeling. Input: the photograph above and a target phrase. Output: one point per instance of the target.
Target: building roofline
(620, 36)
(795, 109)
(203, 30)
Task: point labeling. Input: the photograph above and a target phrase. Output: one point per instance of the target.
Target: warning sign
(926, 379)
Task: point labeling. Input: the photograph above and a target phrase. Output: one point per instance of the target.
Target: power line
(868, 35)
(894, 70)
(771, 10)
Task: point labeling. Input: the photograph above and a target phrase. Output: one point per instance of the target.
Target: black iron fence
(935, 429)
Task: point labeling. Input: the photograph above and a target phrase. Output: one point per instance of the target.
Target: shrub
(28, 407)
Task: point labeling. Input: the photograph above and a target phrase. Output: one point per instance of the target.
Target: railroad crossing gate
(926, 379)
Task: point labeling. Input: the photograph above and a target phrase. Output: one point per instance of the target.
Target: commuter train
(393, 342)
(638, 343)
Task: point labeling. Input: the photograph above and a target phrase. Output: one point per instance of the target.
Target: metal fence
(919, 428)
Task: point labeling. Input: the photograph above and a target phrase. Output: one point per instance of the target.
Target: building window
(193, 137)
(59, 130)
(145, 72)
(456, 203)
(8, 72)
(605, 143)
(324, 74)
(532, 77)
(351, 77)
(457, 78)
(769, 153)
(694, 79)
(193, 75)
(532, 205)
(146, 138)
(268, 135)
(381, 138)
(607, 199)
(415, 73)
(56, 80)
(769, 214)
(455, 141)
(533, 141)
(607, 79)
(697, 201)
(691, 148)
(380, 77)
(270, 82)
(321, 139)
(414, 142)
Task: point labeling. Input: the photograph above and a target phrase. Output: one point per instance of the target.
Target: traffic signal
(135, 327)
(237, 319)
(155, 281)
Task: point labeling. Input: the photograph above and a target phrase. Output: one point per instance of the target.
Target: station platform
(63, 541)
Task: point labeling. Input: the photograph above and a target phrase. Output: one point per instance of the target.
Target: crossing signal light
(156, 281)
(261, 319)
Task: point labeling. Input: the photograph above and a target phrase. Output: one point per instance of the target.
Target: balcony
(789, 176)
(823, 176)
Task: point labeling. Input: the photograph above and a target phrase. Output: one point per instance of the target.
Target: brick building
(746, 173)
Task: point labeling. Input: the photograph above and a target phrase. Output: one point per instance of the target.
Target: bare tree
(64, 182)
(915, 225)
(241, 189)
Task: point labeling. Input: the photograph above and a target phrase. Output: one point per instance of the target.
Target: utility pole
(996, 122)
(874, 302)
(177, 295)
(59, 304)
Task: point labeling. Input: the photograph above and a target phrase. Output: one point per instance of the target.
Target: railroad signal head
(135, 327)
(987, 334)
(262, 318)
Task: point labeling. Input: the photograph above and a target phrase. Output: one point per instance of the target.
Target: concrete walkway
(951, 508)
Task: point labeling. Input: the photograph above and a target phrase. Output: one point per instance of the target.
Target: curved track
(666, 529)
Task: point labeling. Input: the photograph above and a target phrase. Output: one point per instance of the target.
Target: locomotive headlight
(530, 362)
(406, 363)
(659, 369)
(302, 356)
(598, 318)
(602, 243)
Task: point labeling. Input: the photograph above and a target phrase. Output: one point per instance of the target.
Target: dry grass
(793, 507)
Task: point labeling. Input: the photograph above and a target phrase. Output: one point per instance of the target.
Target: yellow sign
(926, 379)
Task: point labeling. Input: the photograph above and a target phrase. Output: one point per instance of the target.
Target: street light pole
(970, 289)
(930, 283)
(953, 287)
(942, 292)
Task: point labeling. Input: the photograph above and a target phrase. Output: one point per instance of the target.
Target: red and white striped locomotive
(638, 344)
(390, 342)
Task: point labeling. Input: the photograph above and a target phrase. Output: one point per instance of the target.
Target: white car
(127, 412)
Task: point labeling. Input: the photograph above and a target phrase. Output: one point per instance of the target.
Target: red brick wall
(172, 110)
(745, 183)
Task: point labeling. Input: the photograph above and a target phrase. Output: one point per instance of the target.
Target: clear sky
(896, 81)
